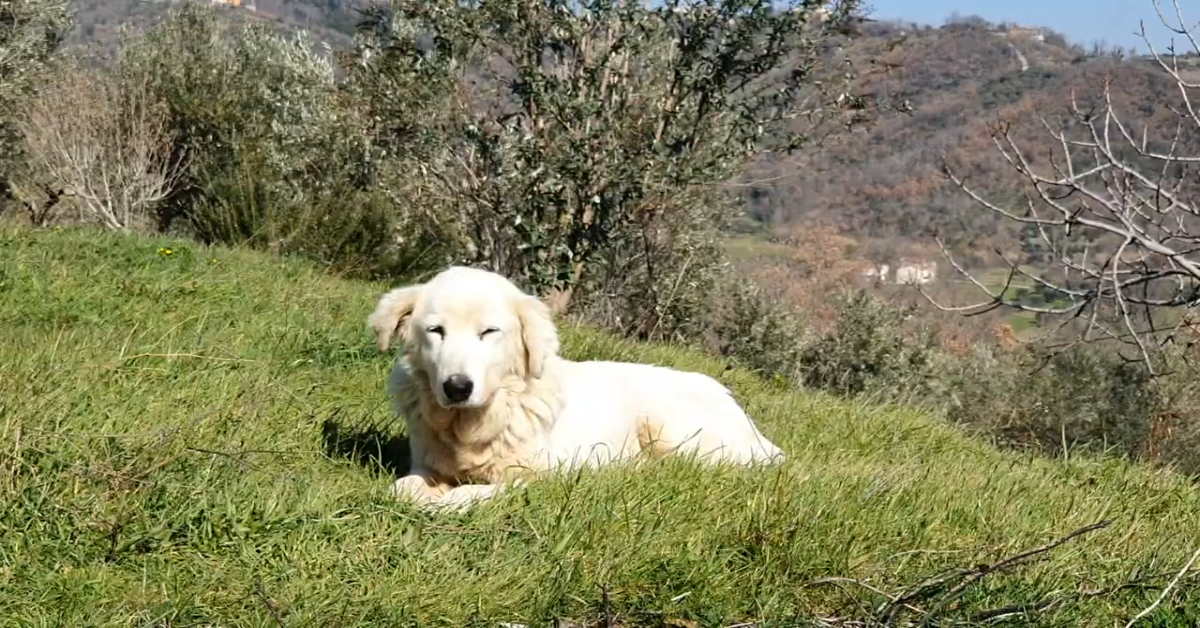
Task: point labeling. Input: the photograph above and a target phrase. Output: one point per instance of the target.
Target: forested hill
(332, 21)
(885, 187)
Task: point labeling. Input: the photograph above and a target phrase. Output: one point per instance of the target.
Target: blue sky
(1082, 21)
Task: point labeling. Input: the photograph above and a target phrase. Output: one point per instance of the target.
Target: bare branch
(1115, 207)
(1187, 567)
(967, 577)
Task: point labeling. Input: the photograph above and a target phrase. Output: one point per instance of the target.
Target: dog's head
(467, 330)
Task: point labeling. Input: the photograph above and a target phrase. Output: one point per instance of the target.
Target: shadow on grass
(369, 446)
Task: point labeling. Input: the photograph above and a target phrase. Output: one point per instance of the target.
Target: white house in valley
(910, 272)
(916, 272)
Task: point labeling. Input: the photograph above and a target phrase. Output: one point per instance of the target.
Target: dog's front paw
(416, 489)
(461, 498)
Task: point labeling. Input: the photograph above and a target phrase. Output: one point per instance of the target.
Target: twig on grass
(838, 581)
(971, 576)
(608, 621)
(262, 595)
(1004, 612)
(193, 356)
(241, 457)
(1166, 591)
(983, 570)
(841, 580)
(1151, 581)
(246, 452)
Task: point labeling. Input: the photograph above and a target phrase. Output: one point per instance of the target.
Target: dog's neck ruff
(487, 443)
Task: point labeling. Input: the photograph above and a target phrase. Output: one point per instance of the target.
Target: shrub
(1082, 397)
(278, 156)
(105, 141)
(30, 34)
(754, 330)
(663, 285)
(871, 350)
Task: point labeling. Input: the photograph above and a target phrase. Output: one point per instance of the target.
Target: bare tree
(107, 143)
(1117, 210)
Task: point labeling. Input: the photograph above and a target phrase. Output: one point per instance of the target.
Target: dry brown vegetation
(107, 144)
(885, 187)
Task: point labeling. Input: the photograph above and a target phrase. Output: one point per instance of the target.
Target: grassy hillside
(177, 447)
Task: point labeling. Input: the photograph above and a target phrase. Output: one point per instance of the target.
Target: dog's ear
(392, 313)
(538, 334)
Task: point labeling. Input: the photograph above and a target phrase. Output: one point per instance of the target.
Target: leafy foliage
(753, 329)
(882, 187)
(237, 96)
(30, 33)
(276, 158)
(1086, 398)
(867, 351)
(555, 135)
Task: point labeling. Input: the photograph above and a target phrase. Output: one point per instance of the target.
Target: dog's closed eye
(489, 330)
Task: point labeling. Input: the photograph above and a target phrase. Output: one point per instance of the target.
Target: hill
(885, 187)
(197, 435)
(98, 22)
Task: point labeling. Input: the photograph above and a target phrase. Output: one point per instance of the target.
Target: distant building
(876, 273)
(910, 272)
(916, 272)
(1016, 31)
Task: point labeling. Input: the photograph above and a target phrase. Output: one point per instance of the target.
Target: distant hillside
(97, 22)
(885, 187)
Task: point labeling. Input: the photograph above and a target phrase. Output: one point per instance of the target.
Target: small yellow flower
(165, 251)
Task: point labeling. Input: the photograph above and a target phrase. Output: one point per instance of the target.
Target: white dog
(485, 394)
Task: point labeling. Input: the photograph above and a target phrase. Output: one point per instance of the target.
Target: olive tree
(577, 145)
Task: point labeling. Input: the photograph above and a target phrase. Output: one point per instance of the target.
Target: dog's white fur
(529, 408)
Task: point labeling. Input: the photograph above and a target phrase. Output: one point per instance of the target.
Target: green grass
(751, 247)
(186, 437)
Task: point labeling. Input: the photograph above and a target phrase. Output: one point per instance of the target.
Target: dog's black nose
(458, 388)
